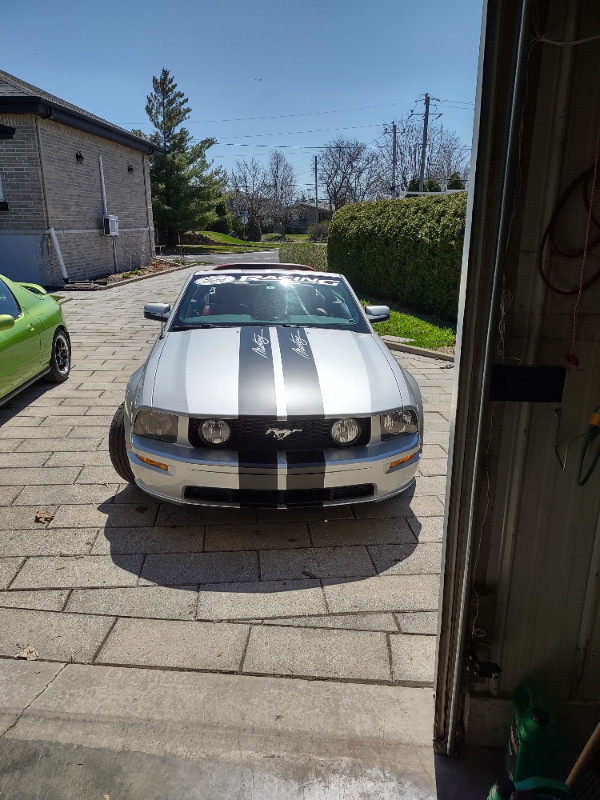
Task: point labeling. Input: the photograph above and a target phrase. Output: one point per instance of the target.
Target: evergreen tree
(455, 181)
(185, 190)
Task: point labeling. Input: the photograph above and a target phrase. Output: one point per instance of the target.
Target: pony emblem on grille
(282, 433)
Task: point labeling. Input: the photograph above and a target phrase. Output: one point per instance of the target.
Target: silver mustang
(268, 387)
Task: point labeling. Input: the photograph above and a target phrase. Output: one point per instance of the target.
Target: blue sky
(259, 74)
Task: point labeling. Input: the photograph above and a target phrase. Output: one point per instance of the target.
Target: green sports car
(34, 342)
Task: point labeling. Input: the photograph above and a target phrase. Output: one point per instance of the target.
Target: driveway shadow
(250, 550)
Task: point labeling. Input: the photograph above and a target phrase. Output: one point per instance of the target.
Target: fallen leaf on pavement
(27, 652)
(43, 516)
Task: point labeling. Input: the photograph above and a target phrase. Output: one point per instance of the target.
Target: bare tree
(281, 182)
(350, 172)
(248, 182)
(446, 154)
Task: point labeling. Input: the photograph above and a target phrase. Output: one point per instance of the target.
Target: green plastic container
(531, 741)
(530, 789)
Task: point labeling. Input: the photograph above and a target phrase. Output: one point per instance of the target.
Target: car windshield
(218, 300)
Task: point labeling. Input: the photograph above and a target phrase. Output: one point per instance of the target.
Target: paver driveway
(347, 593)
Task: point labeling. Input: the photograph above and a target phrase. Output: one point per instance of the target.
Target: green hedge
(313, 255)
(408, 250)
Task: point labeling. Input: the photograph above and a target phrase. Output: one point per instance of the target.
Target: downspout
(61, 262)
(105, 207)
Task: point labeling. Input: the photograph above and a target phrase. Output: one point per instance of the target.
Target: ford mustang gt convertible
(268, 387)
(34, 342)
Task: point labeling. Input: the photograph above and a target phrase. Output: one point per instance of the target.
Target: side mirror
(377, 313)
(159, 312)
(6, 322)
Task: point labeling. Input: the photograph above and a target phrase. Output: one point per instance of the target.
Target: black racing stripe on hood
(303, 395)
(256, 382)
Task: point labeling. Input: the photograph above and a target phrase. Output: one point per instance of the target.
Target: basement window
(3, 203)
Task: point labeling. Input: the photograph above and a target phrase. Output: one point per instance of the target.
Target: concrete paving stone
(302, 652)
(46, 542)
(67, 494)
(69, 445)
(428, 485)
(70, 572)
(426, 506)
(23, 517)
(104, 515)
(55, 637)
(20, 683)
(149, 540)
(359, 532)
(257, 536)
(77, 396)
(94, 475)
(13, 460)
(435, 437)
(353, 622)
(79, 459)
(174, 569)
(413, 658)
(260, 599)
(8, 493)
(42, 600)
(88, 431)
(434, 451)
(40, 476)
(383, 593)
(9, 445)
(21, 421)
(172, 515)
(175, 644)
(80, 421)
(430, 467)
(303, 514)
(321, 562)
(95, 400)
(102, 409)
(436, 422)
(407, 559)
(427, 529)
(67, 411)
(424, 622)
(8, 569)
(35, 433)
(156, 602)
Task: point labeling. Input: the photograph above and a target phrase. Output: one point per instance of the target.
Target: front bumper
(280, 480)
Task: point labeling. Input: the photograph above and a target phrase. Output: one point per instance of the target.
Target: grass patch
(222, 239)
(426, 331)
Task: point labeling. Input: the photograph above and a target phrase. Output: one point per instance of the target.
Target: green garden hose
(592, 432)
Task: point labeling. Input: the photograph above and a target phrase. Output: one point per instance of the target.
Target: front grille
(251, 433)
(289, 497)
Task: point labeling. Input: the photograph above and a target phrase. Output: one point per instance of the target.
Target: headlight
(215, 431)
(398, 422)
(156, 425)
(345, 431)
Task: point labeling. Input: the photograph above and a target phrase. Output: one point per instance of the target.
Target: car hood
(274, 372)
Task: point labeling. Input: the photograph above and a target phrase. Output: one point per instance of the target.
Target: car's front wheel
(116, 446)
(60, 358)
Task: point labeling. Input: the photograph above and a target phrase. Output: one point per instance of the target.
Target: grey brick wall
(73, 203)
(20, 173)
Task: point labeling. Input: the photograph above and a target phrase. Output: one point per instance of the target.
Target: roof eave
(47, 110)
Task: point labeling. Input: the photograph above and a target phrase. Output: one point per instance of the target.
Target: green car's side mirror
(6, 322)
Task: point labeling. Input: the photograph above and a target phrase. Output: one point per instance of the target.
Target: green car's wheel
(60, 358)
(116, 446)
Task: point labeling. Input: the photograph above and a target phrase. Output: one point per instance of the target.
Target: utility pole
(424, 145)
(316, 201)
(394, 161)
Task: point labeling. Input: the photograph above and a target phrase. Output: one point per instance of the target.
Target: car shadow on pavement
(250, 550)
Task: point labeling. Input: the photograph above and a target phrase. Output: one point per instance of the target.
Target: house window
(3, 203)
(302, 218)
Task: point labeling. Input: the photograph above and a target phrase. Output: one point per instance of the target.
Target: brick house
(62, 171)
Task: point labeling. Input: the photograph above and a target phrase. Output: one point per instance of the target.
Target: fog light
(345, 431)
(215, 431)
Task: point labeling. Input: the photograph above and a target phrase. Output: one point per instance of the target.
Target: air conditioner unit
(111, 225)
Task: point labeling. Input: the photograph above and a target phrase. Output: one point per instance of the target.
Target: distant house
(69, 183)
(303, 217)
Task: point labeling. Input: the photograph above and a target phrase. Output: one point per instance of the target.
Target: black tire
(60, 358)
(116, 446)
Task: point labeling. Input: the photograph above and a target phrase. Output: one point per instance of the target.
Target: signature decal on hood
(299, 345)
(261, 343)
